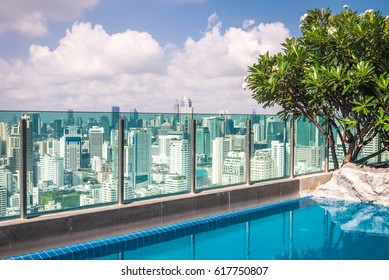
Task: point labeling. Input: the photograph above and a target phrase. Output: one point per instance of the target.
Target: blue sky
(94, 54)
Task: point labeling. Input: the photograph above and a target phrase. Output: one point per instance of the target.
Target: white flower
(301, 26)
(362, 15)
(346, 6)
(245, 82)
(387, 18)
(331, 30)
(245, 85)
(275, 68)
(369, 11)
(303, 17)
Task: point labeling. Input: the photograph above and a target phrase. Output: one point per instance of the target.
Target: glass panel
(10, 164)
(309, 148)
(270, 148)
(220, 150)
(72, 161)
(157, 153)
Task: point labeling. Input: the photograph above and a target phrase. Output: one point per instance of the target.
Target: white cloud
(93, 70)
(248, 23)
(30, 17)
(214, 22)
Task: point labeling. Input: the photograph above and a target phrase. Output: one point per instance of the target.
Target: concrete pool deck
(69, 227)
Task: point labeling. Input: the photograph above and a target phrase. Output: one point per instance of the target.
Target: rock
(357, 183)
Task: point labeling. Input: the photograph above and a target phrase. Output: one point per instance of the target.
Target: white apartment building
(51, 168)
(234, 168)
(262, 165)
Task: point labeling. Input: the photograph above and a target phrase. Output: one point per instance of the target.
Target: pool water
(297, 229)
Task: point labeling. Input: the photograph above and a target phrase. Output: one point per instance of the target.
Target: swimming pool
(297, 229)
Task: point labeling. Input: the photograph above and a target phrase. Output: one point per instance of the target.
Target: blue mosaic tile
(135, 240)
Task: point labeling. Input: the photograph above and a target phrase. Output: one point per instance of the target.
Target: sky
(90, 55)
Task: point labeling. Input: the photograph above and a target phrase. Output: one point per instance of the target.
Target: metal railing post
(23, 168)
(193, 157)
(121, 161)
(248, 152)
(292, 141)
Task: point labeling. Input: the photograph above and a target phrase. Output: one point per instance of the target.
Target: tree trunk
(333, 151)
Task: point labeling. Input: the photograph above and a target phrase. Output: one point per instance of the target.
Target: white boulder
(357, 183)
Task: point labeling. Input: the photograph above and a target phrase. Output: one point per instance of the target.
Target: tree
(335, 75)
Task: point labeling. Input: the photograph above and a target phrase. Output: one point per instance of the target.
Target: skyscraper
(280, 158)
(51, 168)
(96, 140)
(115, 116)
(179, 159)
(3, 201)
(70, 120)
(203, 142)
(220, 149)
(138, 157)
(36, 124)
(3, 138)
(71, 147)
(186, 112)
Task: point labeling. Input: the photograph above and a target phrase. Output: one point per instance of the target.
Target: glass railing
(75, 160)
(270, 146)
(220, 150)
(309, 148)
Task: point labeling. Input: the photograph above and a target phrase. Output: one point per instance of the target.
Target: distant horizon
(90, 55)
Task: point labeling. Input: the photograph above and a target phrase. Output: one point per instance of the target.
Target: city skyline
(74, 162)
(56, 55)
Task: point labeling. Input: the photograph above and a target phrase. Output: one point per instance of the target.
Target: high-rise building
(36, 196)
(58, 129)
(104, 123)
(280, 155)
(36, 124)
(14, 150)
(109, 191)
(258, 132)
(186, 113)
(234, 168)
(96, 140)
(70, 120)
(3, 201)
(262, 165)
(203, 142)
(3, 138)
(306, 133)
(309, 159)
(179, 159)
(134, 120)
(51, 168)
(7, 180)
(215, 125)
(164, 146)
(220, 149)
(96, 164)
(71, 148)
(275, 130)
(115, 116)
(138, 157)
